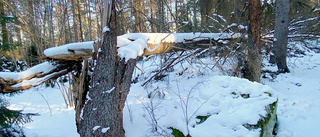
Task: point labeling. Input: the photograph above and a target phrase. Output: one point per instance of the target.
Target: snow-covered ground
(55, 120)
(299, 93)
(162, 104)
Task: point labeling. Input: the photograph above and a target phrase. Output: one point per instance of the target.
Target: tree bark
(281, 35)
(4, 32)
(75, 28)
(79, 20)
(195, 16)
(252, 69)
(103, 110)
(90, 21)
(254, 18)
(160, 9)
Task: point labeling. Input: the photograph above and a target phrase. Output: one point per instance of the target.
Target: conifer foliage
(11, 120)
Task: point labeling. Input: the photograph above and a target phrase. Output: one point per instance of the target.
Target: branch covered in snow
(133, 45)
(11, 81)
(130, 45)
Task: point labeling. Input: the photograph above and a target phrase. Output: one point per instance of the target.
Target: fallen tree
(66, 58)
(78, 58)
(11, 81)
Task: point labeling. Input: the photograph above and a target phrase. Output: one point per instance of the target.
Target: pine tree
(10, 120)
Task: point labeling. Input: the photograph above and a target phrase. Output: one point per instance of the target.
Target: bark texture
(281, 35)
(110, 84)
(4, 32)
(254, 18)
(252, 69)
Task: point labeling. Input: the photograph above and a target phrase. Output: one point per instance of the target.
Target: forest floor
(160, 105)
(298, 93)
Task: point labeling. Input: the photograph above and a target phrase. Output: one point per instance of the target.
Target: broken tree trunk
(110, 85)
(153, 43)
(66, 58)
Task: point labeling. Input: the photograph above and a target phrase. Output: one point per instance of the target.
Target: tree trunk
(194, 16)
(281, 35)
(79, 20)
(4, 32)
(68, 32)
(75, 27)
(160, 16)
(51, 24)
(90, 21)
(254, 18)
(252, 69)
(110, 84)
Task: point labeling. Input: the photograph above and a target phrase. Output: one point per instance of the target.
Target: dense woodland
(28, 27)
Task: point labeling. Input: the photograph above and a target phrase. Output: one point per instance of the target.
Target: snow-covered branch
(132, 45)
(11, 81)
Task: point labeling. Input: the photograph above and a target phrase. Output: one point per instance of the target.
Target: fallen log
(133, 45)
(11, 81)
(67, 57)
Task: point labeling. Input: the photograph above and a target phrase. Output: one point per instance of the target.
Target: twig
(130, 112)
(64, 98)
(140, 69)
(46, 102)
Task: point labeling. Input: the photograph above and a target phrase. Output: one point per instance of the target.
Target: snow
(133, 49)
(109, 91)
(306, 20)
(55, 119)
(299, 93)
(155, 38)
(71, 48)
(95, 128)
(186, 97)
(150, 50)
(37, 81)
(132, 45)
(104, 130)
(220, 16)
(42, 68)
(122, 41)
(242, 27)
(178, 99)
(105, 29)
(185, 22)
